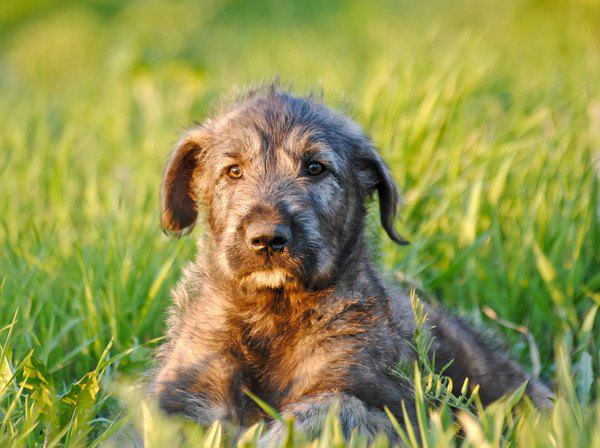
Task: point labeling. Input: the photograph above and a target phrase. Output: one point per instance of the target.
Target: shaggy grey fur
(283, 299)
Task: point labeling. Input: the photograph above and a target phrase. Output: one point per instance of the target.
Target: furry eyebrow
(233, 154)
(314, 150)
(239, 152)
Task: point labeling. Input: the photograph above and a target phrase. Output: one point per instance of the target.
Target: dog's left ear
(179, 192)
(380, 179)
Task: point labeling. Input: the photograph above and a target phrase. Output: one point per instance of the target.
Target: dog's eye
(315, 168)
(235, 172)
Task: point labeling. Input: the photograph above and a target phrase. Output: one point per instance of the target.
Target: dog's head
(284, 182)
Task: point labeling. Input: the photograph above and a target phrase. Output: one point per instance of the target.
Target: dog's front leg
(309, 414)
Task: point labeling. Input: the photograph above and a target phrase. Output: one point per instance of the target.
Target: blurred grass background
(487, 112)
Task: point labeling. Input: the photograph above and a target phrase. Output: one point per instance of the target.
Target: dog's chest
(290, 354)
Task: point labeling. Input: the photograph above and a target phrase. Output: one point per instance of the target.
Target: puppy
(283, 299)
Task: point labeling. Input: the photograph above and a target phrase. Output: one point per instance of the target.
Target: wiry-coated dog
(283, 299)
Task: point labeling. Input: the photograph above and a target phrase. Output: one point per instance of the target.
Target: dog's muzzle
(268, 237)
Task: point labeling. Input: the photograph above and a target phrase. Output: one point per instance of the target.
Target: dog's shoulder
(394, 297)
(401, 308)
(197, 302)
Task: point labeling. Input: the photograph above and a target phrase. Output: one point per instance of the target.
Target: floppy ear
(381, 180)
(179, 195)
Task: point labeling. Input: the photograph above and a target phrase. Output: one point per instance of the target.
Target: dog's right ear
(179, 192)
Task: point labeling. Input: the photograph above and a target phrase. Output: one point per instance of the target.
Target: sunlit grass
(488, 115)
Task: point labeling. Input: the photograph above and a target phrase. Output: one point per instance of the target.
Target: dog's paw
(274, 436)
(540, 394)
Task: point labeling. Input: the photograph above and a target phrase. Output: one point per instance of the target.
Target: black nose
(268, 237)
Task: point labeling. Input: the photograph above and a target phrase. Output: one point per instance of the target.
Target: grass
(488, 114)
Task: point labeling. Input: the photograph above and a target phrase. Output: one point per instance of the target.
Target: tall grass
(488, 114)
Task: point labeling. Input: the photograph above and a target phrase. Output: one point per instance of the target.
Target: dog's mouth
(290, 267)
(268, 278)
(269, 271)
(279, 271)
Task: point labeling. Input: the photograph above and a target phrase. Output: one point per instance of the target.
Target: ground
(487, 112)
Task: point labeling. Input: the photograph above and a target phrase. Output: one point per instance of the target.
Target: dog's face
(283, 181)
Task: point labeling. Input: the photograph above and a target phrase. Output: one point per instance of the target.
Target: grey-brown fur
(310, 324)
